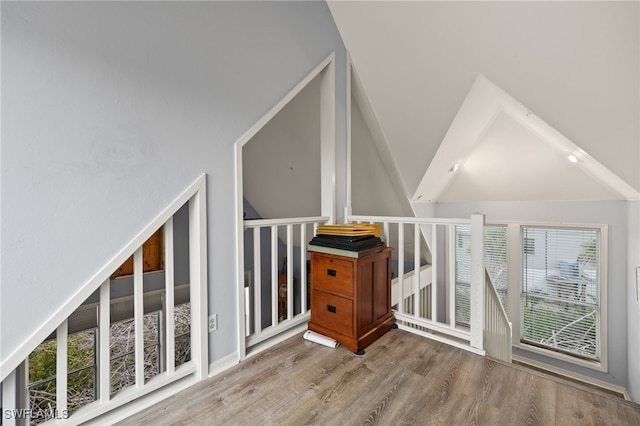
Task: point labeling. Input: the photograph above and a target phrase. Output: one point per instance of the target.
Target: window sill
(593, 365)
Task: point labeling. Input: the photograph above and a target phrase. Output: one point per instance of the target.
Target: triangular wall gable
(482, 105)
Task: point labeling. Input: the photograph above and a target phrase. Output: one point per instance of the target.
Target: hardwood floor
(403, 379)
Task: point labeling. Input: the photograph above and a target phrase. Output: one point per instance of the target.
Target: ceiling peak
(496, 149)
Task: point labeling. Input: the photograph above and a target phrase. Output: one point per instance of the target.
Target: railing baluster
(104, 334)
(274, 275)
(434, 272)
(451, 275)
(22, 384)
(401, 307)
(10, 398)
(61, 367)
(416, 270)
(303, 268)
(169, 277)
(247, 311)
(476, 316)
(257, 280)
(289, 272)
(138, 316)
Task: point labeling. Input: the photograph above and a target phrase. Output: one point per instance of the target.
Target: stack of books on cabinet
(352, 240)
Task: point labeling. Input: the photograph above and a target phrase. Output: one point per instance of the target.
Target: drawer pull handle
(331, 308)
(331, 272)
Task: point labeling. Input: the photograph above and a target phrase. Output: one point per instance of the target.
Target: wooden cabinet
(351, 297)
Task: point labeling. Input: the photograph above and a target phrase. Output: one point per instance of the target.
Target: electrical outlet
(213, 322)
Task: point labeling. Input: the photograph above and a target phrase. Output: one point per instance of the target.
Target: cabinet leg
(394, 326)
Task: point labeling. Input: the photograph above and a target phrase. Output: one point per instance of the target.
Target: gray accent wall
(281, 163)
(611, 213)
(111, 109)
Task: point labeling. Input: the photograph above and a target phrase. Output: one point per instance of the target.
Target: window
(495, 246)
(561, 286)
(463, 274)
(561, 290)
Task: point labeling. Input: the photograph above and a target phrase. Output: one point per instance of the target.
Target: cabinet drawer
(333, 312)
(333, 274)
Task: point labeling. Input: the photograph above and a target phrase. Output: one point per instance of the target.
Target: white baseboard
(135, 406)
(301, 328)
(223, 364)
(586, 379)
(119, 414)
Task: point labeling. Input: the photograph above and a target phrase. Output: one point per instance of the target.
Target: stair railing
(14, 387)
(424, 302)
(497, 327)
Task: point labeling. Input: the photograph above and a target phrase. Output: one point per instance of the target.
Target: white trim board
(573, 375)
(97, 280)
(223, 364)
(138, 404)
(481, 106)
(279, 338)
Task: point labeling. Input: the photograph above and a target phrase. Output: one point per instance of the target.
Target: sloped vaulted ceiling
(573, 64)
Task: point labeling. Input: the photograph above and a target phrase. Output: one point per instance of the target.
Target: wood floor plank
(403, 379)
(579, 406)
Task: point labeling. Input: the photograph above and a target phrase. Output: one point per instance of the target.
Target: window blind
(560, 302)
(495, 246)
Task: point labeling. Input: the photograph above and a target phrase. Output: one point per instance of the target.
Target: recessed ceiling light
(453, 168)
(573, 158)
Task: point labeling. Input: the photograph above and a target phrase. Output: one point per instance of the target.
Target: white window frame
(514, 261)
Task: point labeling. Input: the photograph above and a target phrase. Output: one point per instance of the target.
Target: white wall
(611, 213)
(110, 110)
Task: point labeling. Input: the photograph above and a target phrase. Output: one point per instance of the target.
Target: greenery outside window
(81, 375)
(561, 290)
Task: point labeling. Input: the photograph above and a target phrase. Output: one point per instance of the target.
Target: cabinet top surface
(384, 251)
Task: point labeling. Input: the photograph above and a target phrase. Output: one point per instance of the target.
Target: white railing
(498, 330)
(276, 298)
(428, 301)
(15, 386)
